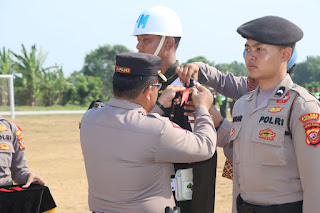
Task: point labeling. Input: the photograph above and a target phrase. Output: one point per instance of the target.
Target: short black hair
(130, 86)
(176, 42)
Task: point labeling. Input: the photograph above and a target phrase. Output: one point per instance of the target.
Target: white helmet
(158, 21)
(161, 21)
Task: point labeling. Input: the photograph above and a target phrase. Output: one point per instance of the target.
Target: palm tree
(30, 65)
(5, 69)
(53, 84)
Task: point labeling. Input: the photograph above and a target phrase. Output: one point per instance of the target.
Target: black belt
(244, 207)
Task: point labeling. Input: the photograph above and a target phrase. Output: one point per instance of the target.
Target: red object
(185, 96)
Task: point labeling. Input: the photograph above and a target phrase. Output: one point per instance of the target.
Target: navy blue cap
(272, 30)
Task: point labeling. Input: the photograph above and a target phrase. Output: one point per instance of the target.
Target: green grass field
(44, 108)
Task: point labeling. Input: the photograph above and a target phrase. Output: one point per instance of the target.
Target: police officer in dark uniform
(158, 31)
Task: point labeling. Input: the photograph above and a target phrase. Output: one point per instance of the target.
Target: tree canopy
(101, 63)
(46, 86)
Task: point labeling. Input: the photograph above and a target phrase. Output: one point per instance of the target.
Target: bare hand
(185, 72)
(215, 115)
(168, 94)
(204, 97)
(33, 179)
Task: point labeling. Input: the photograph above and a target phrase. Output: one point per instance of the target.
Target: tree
(5, 69)
(101, 63)
(307, 71)
(52, 86)
(82, 90)
(200, 59)
(30, 66)
(238, 69)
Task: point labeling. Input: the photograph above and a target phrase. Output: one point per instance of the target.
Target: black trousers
(204, 186)
(244, 207)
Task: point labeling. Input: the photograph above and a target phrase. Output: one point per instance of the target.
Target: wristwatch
(161, 106)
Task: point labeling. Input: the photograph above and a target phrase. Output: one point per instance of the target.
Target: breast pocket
(234, 136)
(6, 154)
(268, 146)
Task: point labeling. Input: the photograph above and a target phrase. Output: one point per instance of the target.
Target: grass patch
(43, 108)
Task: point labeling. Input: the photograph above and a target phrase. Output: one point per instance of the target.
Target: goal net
(6, 93)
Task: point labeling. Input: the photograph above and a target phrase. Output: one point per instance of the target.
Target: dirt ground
(54, 153)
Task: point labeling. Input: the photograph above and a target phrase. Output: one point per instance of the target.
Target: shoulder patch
(3, 128)
(312, 133)
(20, 139)
(309, 116)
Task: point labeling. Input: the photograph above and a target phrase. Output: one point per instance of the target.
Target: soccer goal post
(10, 79)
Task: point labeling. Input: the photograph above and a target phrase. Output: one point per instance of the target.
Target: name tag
(173, 185)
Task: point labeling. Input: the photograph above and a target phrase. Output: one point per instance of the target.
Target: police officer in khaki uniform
(13, 165)
(275, 128)
(128, 153)
(159, 30)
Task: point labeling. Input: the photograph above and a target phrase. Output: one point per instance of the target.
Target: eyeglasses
(159, 85)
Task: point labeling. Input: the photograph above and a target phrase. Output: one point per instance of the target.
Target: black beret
(271, 30)
(138, 64)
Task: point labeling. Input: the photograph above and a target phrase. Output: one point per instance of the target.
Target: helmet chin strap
(160, 45)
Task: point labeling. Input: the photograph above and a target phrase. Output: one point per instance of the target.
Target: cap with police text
(272, 30)
(138, 64)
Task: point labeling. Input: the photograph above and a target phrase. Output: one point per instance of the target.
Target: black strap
(289, 117)
(161, 106)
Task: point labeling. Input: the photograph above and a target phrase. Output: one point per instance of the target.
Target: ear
(169, 43)
(286, 53)
(146, 94)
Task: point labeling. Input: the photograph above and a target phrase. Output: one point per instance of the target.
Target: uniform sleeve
(306, 138)
(19, 169)
(224, 83)
(156, 109)
(181, 146)
(236, 187)
(223, 140)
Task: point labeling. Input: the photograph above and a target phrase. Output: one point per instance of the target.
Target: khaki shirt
(128, 155)
(12, 154)
(269, 166)
(224, 83)
(228, 85)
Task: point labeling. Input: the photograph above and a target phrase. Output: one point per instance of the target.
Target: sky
(67, 30)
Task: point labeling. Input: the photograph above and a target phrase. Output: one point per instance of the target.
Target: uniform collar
(171, 75)
(278, 93)
(280, 90)
(283, 88)
(120, 103)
